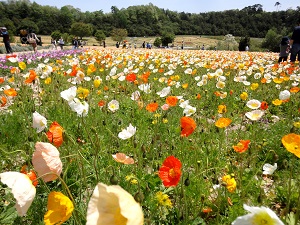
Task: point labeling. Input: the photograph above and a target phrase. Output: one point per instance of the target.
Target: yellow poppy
(277, 102)
(244, 96)
(223, 122)
(292, 143)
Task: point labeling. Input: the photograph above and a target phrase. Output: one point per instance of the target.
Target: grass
(202, 194)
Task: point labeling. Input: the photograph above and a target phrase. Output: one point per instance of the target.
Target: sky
(188, 6)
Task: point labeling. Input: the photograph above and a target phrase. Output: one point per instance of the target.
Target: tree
(81, 29)
(157, 42)
(271, 41)
(244, 41)
(230, 41)
(118, 34)
(99, 36)
(167, 38)
(56, 35)
(277, 4)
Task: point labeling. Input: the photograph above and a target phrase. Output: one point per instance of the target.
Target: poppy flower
(131, 77)
(2, 80)
(22, 189)
(127, 133)
(69, 94)
(113, 205)
(222, 109)
(269, 169)
(255, 114)
(122, 158)
(113, 105)
(188, 125)
(164, 92)
(230, 183)
(45, 159)
(31, 78)
(31, 174)
(55, 134)
(10, 92)
(223, 122)
(292, 142)
(294, 89)
(264, 105)
(284, 95)
(170, 171)
(59, 207)
(3, 101)
(253, 104)
(172, 100)
(242, 146)
(101, 103)
(39, 122)
(152, 107)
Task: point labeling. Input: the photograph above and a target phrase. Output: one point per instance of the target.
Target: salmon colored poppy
(55, 134)
(188, 125)
(264, 105)
(242, 146)
(122, 158)
(31, 78)
(223, 122)
(172, 100)
(292, 143)
(152, 107)
(131, 77)
(10, 92)
(3, 101)
(170, 171)
(31, 174)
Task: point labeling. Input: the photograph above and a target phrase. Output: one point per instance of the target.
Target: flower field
(123, 136)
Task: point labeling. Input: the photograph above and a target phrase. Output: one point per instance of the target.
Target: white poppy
(127, 133)
(284, 95)
(81, 108)
(255, 114)
(189, 110)
(258, 215)
(253, 104)
(135, 96)
(39, 122)
(69, 94)
(22, 189)
(113, 105)
(268, 169)
(145, 88)
(164, 92)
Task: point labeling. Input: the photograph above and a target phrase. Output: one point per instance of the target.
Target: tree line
(144, 20)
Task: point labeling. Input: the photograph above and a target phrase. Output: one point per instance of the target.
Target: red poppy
(170, 171)
(171, 100)
(31, 174)
(101, 103)
(188, 125)
(3, 101)
(55, 134)
(1, 80)
(264, 105)
(152, 107)
(131, 77)
(242, 146)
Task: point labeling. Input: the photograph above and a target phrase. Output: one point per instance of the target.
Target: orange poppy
(152, 107)
(171, 100)
(223, 122)
(55, 134)
(31, 174)
(1, 80)
(188, 125)
(10, 92)
(31, 78)
(101, 103)
(207, 210)
(264, 105)
(242, 146)
(122, 158)
(131, 77)
(170, 171)
(294, 89)
(3, 101)
(145, 77)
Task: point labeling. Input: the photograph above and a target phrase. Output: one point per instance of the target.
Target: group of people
(292, 46)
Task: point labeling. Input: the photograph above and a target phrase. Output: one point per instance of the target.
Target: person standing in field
(284, 49)
(32, 39)
(5, 35)
(295, 43)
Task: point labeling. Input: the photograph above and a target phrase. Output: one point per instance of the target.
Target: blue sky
(191, 6)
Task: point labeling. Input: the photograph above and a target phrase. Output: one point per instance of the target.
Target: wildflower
(258, 216)
(31, 77)
(165, 107)
(244, 96)
(242, 146)
(207, 210)
(48, 80)
(164, 92)
(31, 174)
(122, 158)
(292, 143)
(22, 65)
(97, 81)
(152, 107)
(254, 86)
(113, 205)
(264, 105)
(188, 125)
(10, 92)
(131, 77)
(296, 124)
(80, 107)
(170, 171)
(172, 100)
(165, 120)
(284, 95)
(59, 207)
(101, 103)
(189, 110)
(113, 105)
(45, 159)
(127, 133)
(268, 169)
(294, 89)
(255, 115)
(55, 134)
(223, 122)
(230, 183)
(69, 94)
(253, 104)
(2, 80)
(39, 122)
(145, 88)
(222, 109)
(82, 92)
(3, 101)
(163, 199)
(277, 102)
(22, 189)
(135, 96)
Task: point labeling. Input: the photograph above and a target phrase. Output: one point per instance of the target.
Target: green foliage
(99, 36)
(244, 41)
(81, 30)
(118, 34)
(272, 40)
(56, 35)
(157, 42)
(167, 38)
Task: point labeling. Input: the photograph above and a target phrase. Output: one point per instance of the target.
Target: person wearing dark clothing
(33, 39)
(144, 44)
(295, 43)
(5, 35)
(104, 44)
(284, 49)
(117, 45)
